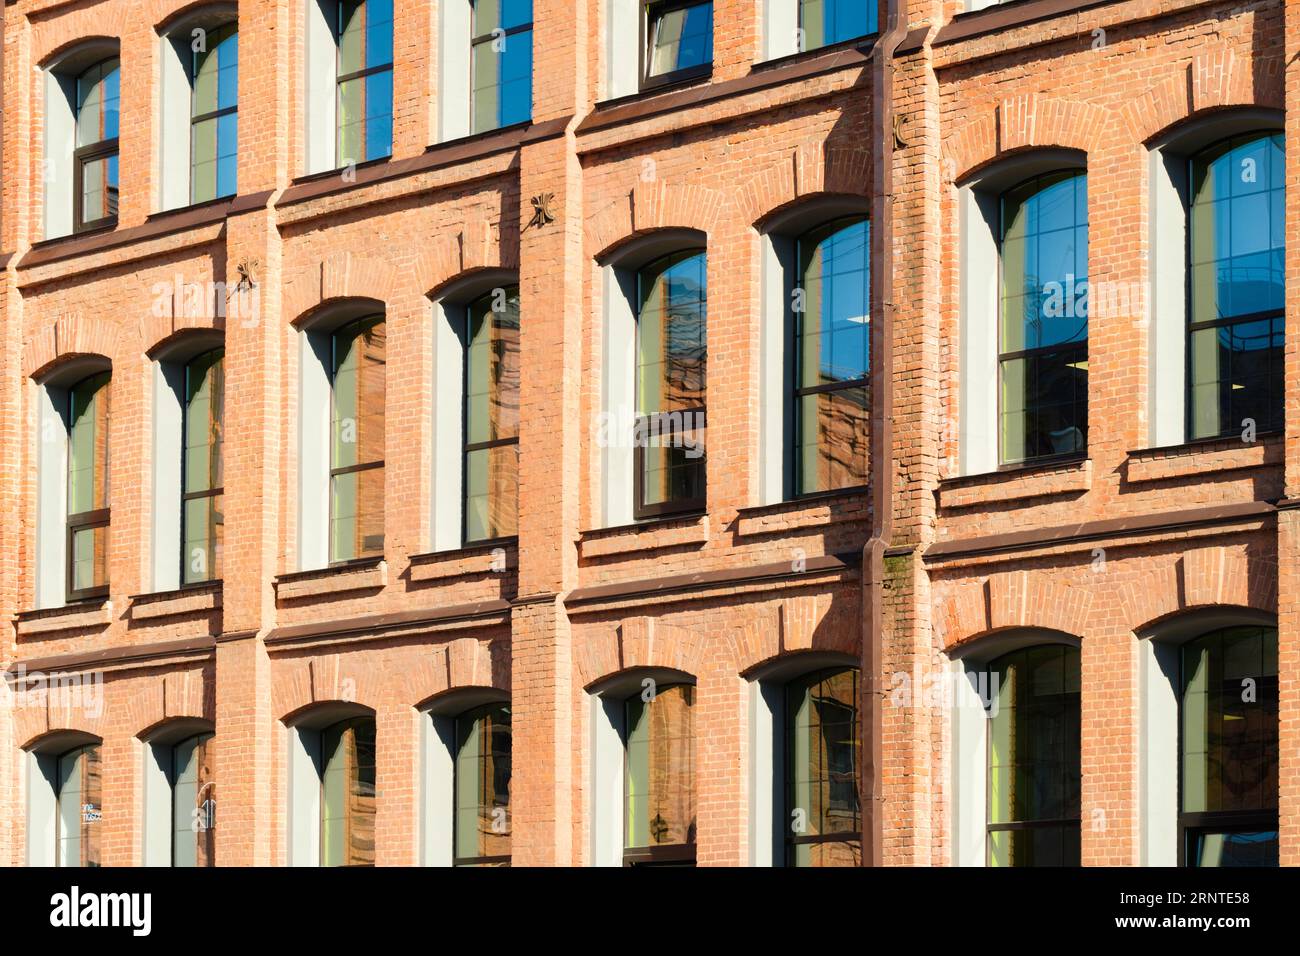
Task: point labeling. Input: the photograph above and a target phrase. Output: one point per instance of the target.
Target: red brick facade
(573, 603)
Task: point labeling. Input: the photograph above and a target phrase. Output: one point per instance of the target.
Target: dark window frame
(651, 11)
(1193, 824)
(787, 757)
(654, 422)
(1191, 327)
(341, 78)
(1019, 825)
(197, 118)
(662, 854)
(474, 43)
(336, 471)
(1058, 349)
(797, 389)
(87, 520)
(467, 446)
(83, 156)
(187, 496)
(474, 713)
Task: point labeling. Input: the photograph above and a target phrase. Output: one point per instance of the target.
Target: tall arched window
(358, 361)
(193, 802)
(1043, 334)
(1228, 753)
(1237, 286)
(79, 807)
(88, 501)
(347, 817)
(1033, 757)
(823, 819)
(659, 777)
(94, 164)
(482, 786)
(202, 515)
(363, 30)
(832, 314)
(492, 417)
(672, 317)
(214, 114)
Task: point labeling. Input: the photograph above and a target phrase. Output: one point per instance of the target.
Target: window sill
(1062, 477)
(492, 557)
(813, 511)
(1202, 458)
(71, 617)
(671, 532)
(370, 574)
(191, 599)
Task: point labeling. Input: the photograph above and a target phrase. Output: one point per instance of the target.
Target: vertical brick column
(257, 419)
(911, 780)
(1288, 521)
(550, 435)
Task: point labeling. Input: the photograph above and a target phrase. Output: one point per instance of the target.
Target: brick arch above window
(53, 732)
(1202, 579)
(652, 206)
(1011, 600)
(338, 277)
(807, 173)
(452, 257)
(804, 624)
(639, 643)
(169, 15)
(183, 703)
(69, 337)
(1031, 121)
(1215, 80)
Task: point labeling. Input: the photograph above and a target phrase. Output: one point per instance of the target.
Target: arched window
(823, 820)
(482, 786)
(214, 114)
(1228, 752)
(202, 516)
(492, 416)
(358, 361)
(347, 801)
(194, 798)
(363, 31)
(78, 786)
(1043, 334)
(94, 166)
(832, 315)
(672, 299)
(659, 777)
(88, 499)
(1237, 286)
(1033, 757)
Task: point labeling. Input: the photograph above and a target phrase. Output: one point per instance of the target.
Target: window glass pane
(492, 492)
(834, 431)
(204, 403)
(503, 80)
(204, 539)
(98, 96)
(351, 32)
(88, 445)
(1229, 712)
(1237, 271)
(831, 21)
(659, 782)
(348, 794)
(822, 756)
(483, 783)
(193, 802)
(352, 124)
(357, 426)
(80, 808)
(90, 558)
(1044, 404)
(671, 345)
(1233, 848)
(672, 465)
(1033, 756)
(379, 114)
(680, 37)
(357, 515)
(365, 102)
(99, 189)
(203, 160)
(492, 373)
(834, 313)
(227, 150)
(503, 14)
